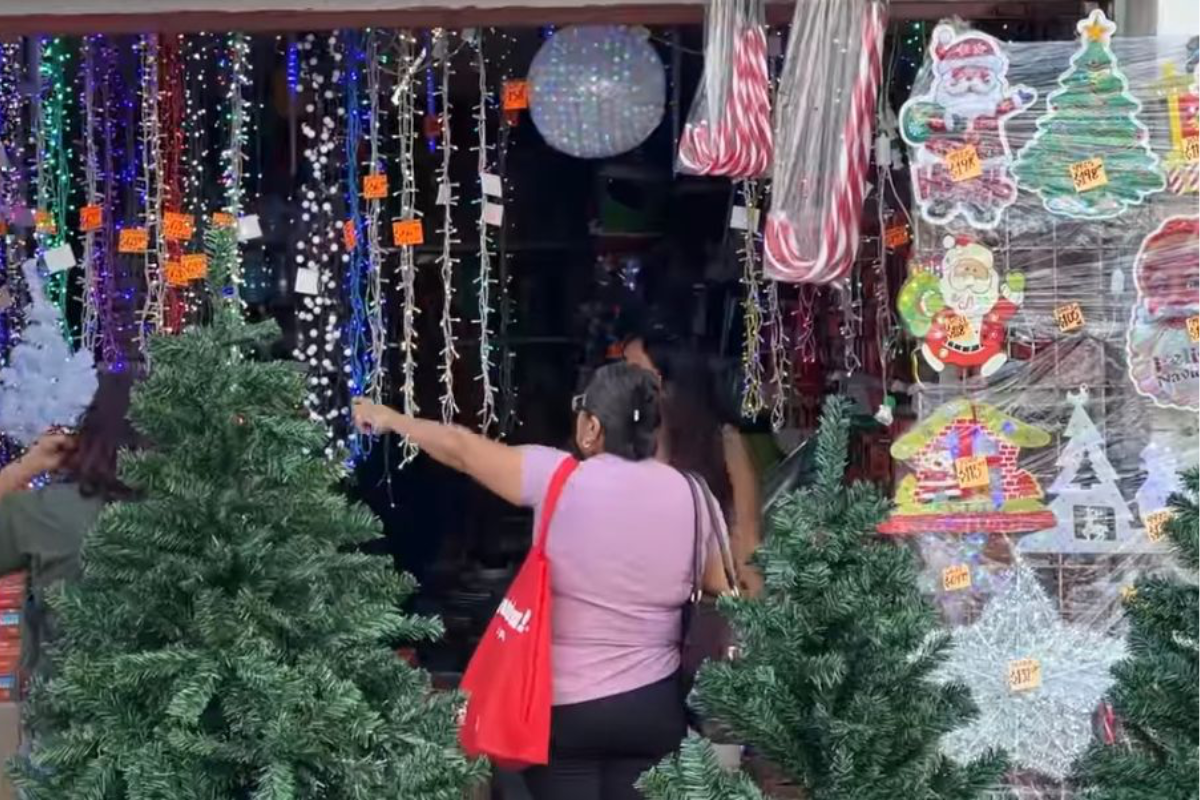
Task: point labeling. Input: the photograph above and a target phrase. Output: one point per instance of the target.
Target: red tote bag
(508, 683)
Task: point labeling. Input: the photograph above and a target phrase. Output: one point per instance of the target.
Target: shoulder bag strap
(707, 505)
(553, 492)
(698, 539)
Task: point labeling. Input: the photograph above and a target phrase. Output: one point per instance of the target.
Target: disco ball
(597, 90)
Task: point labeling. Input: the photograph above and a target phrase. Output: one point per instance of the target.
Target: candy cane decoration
(740, 144)
(840, 227)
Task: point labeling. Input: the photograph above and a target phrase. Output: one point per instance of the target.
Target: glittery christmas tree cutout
(1036, 678)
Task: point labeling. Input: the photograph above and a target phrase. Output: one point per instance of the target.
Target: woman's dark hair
(625, 400)
(103, 431)
(692, 413)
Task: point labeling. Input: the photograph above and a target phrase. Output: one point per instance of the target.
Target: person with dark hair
(696, 437)
(42, 530)
(621, 546)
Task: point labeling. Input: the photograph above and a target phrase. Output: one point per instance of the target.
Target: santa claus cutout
(1161, 342)
(966, 105)
(962, 315)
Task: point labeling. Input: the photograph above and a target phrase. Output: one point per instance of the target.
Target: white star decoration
(1044, 728)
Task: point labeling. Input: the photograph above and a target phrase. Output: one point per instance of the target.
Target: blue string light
(293, 67)
(355, 334)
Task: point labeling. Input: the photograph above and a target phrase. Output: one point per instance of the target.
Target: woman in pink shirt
(622, 552)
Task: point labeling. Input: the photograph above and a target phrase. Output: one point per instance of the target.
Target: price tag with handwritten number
(133, 240)
(43, 222)
(895, 236)
(407, 232)
(1191, 149)
(956, 577)
(1156, 522)
(1193, 326)
(349, 234)
(971, 472)
(958, 328)
(178, 227)
(516, 95)
(375, 186)
(1069, 317)
(1089, 174)
(223, 220)
(90, 218)
(963, 164)
(1024, 674)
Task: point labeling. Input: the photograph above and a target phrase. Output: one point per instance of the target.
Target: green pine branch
(695, 774)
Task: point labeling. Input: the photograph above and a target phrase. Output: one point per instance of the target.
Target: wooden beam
(444, 17)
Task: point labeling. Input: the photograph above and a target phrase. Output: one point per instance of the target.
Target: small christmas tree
(834, 681)
(1154, 754)
(227, 642)
(1160, 480)
(45, 384)
(695, 774)
(1092, 116)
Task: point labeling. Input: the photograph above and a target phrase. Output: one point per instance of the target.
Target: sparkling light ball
(597, 90)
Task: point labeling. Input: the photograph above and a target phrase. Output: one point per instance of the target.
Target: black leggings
(600, 748)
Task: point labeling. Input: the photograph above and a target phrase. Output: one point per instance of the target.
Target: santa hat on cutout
(963, 248)
(971, 49)
(1167, 264)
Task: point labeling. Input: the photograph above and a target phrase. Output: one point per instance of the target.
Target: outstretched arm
(496, 466)
(45, 455)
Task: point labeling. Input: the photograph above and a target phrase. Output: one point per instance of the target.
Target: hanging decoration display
(1091, 156)
(957, 130)
(154, 263)
(753, 400)
(821, 156)
(962, 315)
(92, 218)
(597, 91)
(1091, 514)
(966, 477)
(234, 155)
(45, 384)
(1161, 341)
(1161, 467)
(1181, 93)
(53, 163)
(13, 141)
(485, 281)
(1036, 679)
(446, 259)
(728, 131)
(780, 360)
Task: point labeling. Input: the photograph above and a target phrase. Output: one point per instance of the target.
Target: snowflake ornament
(1036, 678)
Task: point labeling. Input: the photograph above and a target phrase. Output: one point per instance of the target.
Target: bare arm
(497, 467)
(45, 455)
(745, 530)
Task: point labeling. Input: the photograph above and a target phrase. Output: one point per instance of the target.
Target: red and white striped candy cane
(840, 226)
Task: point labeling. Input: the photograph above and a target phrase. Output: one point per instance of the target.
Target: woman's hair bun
(625, 399)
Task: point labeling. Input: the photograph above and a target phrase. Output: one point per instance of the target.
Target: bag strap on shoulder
(704, 505)
(550, 502)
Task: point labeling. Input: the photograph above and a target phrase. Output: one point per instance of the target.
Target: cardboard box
(10, 743)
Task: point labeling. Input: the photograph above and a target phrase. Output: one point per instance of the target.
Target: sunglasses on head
(579, 404)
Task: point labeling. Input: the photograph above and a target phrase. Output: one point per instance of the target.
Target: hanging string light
(780, 372)
(485, 281)
(150, 131)
(171, 142)
(355, 335)
(446, 260)
(93, 256)
(753, 402)
(234, 155)
(12, 252)
(373, 382)
(53, 163)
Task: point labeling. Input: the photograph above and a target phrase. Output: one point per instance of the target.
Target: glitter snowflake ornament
(1036, 678)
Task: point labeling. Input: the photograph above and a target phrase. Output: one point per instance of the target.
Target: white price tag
(249, 228)
(307, 281)
(443, 195)
(493, 214)
(60, 258)
(741, 219)
(491, 185)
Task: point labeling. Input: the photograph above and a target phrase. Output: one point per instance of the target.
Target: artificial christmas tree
(1153, 755)
(226, 641)
(44, 384)
(834, 682)
(1091, 156)
(694, 773)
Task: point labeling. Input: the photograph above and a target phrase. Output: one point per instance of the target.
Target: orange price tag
(174, 274)
(375, 186)
(896, 236)
(1089, 174)
(1128, 593)
(1024, 674)
(90, 218)
(958, 328)
(178, 227)
(133, 240)
(43, 222)
(3, 227)
(516, 95)
(971, 472)
(223, 220)
(964, 163)
(1193, 326)
(349, 234)
(1156, 522)
(195, 266)
(1191, 149)
(1069, 317)
(407, 232)
(956, 577)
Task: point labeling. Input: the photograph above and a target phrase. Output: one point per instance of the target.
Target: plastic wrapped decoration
(597, 91)
(728, 131)
(824, 112)
(45, 385)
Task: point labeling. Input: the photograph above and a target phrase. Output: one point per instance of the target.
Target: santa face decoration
(966, 106)
(1163, 361)
(962, 315)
